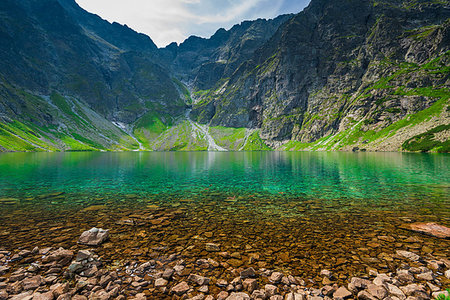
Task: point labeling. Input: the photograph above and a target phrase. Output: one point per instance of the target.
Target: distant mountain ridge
(341, 75)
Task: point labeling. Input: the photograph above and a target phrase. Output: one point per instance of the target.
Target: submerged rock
(94, 237)
(432, 229)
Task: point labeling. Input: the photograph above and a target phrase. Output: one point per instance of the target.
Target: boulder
(342, 293)
(93, 237)
(181, 288)
(249, 272)
(432, 229)
(238, 296)
(408, 255)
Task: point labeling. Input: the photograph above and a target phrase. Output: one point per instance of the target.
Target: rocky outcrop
(342, 70)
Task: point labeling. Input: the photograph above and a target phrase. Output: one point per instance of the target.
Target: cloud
(167, 21)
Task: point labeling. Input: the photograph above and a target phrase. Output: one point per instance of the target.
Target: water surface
(300, 211)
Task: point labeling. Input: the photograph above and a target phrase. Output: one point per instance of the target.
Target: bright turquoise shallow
(396, 179)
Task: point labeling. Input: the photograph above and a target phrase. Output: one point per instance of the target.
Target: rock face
(345, 70)
(341, 75)
(93, 237)
(432, 229)
(65, 67)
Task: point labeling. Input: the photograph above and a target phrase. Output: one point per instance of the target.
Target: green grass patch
(426, 141)
(255, 143)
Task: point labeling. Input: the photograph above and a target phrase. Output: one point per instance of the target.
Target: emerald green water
(290, 206)
(365, 177)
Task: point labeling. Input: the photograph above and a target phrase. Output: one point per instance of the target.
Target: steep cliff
(56, 57)
(343, 75)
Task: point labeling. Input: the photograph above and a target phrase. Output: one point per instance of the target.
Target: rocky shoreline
(58, 273)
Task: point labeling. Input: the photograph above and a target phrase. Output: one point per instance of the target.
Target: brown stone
(210, 247)
(364, 295)
(238, 296)
(342, 293)
(181, 288)
(199, 280)
(32, 283)
(250, 285)
(377, 291)
(249, 272)
(432, 229)
(275, 277)
(93, 237)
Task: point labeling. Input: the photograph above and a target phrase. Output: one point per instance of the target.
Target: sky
(167, 21)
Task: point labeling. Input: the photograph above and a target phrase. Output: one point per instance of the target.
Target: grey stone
(93, 237)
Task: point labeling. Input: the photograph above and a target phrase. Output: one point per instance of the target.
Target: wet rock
(250, 285)
(425, 276)
(248, 273)
(409, 255)
(22, 296)
(356, 284)
(100, 295)
(32, 283)
(211, 247)
(199, 280)
(203, 289)
(364, 295)
(276, 277)
(45, 296)
(3, 295)
(238, 296)
(386, 238)
(93, 237)
(382, 279)
(60, 255)
(181, 288)
(222, 283)
(432, 229)
(377, 291)
(79, 297)
(432, 287)
(168, 273)
(394, 290)
(325, 273)
(59, 289)
(270, 290)
(435, 264)
(342, 293)
(222, 295)
(294, 296)
(160, 282)
(415, 290)
(404, 276)
(259, 295)
(328, 290)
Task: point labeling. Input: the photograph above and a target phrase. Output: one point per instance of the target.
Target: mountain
(67, 76)
(202, 62)
(340, 75)
(343, 75)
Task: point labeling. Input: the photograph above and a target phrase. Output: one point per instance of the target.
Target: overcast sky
(167, 21)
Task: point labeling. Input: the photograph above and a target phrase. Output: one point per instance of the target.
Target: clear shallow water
(298, 210)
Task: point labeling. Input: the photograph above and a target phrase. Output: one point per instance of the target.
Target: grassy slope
(74, 127)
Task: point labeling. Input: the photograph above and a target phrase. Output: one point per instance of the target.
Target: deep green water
(395, 179)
